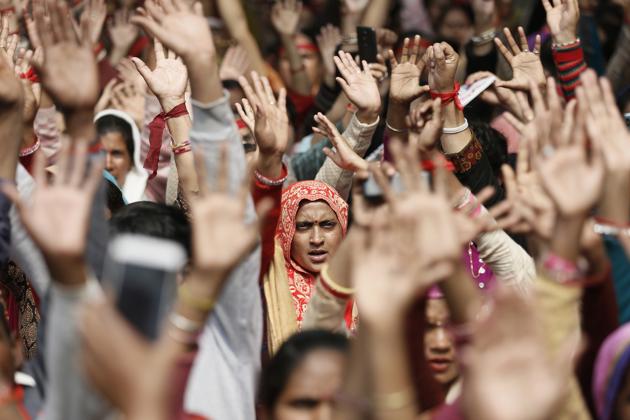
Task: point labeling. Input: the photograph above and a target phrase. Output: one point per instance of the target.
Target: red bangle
(430, 166)
(448, 97)
(185, 147)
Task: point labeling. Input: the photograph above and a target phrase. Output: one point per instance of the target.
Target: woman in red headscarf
(299, 236)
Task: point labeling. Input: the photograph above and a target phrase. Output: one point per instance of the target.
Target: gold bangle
(194, 302)
(394, 401)
(332, 286)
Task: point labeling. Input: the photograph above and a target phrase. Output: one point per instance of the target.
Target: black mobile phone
(627, 118)
(366, 39)
(141, 272)
(374, 194)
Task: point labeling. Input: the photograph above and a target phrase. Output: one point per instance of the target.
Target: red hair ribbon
(448, 97)
(156, 128)
(30, 75)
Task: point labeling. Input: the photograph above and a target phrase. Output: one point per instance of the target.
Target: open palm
(405, 80)
(180, 26)
(169, 78)
(359, 85)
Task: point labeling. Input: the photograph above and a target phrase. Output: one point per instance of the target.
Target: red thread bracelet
(448, 97)
(156, 128)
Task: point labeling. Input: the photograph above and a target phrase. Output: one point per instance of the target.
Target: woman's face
(311, 388)
(117, 159)
(317, 235)
(438, 343)
(310, 58)
(622, 404)
(457, 26)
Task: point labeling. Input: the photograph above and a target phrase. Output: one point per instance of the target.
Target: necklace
(481, 269)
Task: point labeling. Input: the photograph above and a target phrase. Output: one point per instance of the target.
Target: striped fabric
(570, 64)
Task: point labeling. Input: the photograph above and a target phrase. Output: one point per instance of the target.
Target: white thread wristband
(456, 130)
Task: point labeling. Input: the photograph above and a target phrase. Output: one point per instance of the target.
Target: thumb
(142, 68)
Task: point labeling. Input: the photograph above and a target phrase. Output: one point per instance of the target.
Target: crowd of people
(386, 209)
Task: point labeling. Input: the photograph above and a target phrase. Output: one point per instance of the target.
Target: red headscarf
(301, 282)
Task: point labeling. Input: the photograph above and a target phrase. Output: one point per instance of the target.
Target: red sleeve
(260, 191)
(570, 63)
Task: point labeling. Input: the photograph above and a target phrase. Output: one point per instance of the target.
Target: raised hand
(562, 19)
(126, 98)
(180, 26)
(405, 78)
(285, 16)
(342, 155)
(327, 41)
(32, 91)
(218, 217)
(68, 197)
(359, 86)
(442, 61)
(425, 125)
(128, 73)
(603, 121)
(526, 65)
(122, 33)
(572, 176)
(235, 63)
(169, 78)
(246, 113)
(507, 355)
(527, 207)
(68, 73)
(417, 248)
(11, 91)
(95, 14)
(271, 128)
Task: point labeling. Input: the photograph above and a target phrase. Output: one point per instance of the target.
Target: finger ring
(526, 50)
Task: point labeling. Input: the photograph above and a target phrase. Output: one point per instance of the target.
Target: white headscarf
(136, 179)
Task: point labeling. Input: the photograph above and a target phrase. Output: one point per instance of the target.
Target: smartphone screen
(366, 38)
(142, 273)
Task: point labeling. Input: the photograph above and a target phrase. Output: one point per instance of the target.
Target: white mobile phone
(141, 271)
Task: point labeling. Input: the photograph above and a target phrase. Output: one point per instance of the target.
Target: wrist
(168, 103)
(565, 242)
(69, 271)
(368, 115)
(269, 164)
(565, 37)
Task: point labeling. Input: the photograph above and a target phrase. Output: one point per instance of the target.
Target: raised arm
(168, 83)
(568, 55)
(238, 317)
(361, 89)
(236, 21)
(285, 17)
(267, 118)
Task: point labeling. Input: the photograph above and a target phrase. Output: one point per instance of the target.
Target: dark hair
(152, 219)
(115, 200)
(113, 124)
(494, 145)
(276, 374)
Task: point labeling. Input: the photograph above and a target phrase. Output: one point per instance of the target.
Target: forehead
(437, 309)
(319, 374)
(315, 210)
(113, 140)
